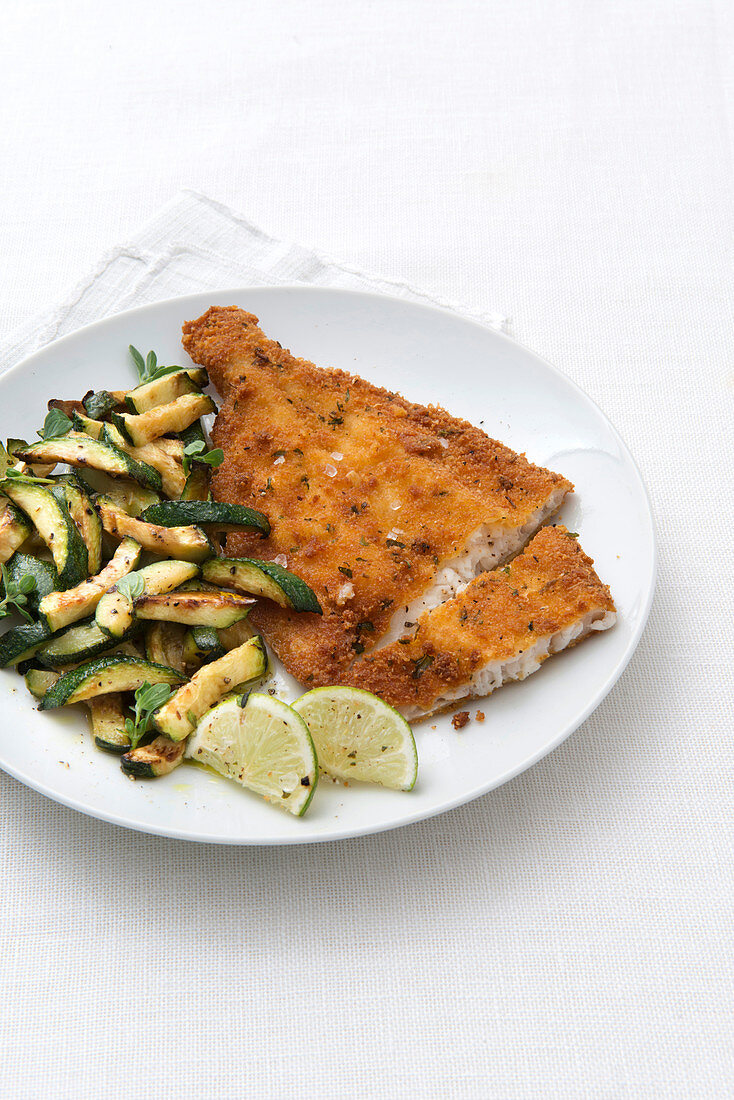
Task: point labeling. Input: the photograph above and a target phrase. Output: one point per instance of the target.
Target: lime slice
(359, 736)
(263, 745)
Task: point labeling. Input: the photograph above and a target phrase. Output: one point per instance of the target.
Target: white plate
(432, 357)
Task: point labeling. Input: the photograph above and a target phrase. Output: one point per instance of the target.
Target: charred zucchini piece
(201, 645)
(114, 614)
(178, 717)
(38, 469)
(22, 642)
(197, 484)
(85, 516)
(78, 449)
(79, 642)
(84, 424)
(187, 543)
(15, 528)
(164, 644)
(62, 608)
(164, 390)
(236, 635)
(107, 716)
(160, 757)
(43, 573)
(172, 417)
(216, 609)
(39, 680)
(171, 472)
(52, 520)
(209, 513)
(262, 578)
(113, 673)
(172, 447)
(131, 498)
(98, 404)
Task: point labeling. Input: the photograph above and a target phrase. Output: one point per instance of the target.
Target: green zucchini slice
(39, 680)
(85, 517)
(262, 578)
(107, 716)
(87, 426)
(77, 449)
(131, 498)
(178, 717)
(170, 470)
(22, 642)
(201, 645)
(197, 483)
(115, 610)
(172, 417)
(79, 642)
(209, 513)
(160, 757)
(164, 644)
(166, 389)
(187, 543)
(115, 672)
(14, 529)
(43, 573)
(54, 524)
(215, 609)
(62, 608)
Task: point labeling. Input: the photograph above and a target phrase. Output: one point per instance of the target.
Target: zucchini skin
(85, 516)
(22, 642)
(78, 449)
(262, 578)
(79, 642)
(43, 572)
(160, 757)
(209, 513)
(39, 680)
(113, 673)
(52, 520)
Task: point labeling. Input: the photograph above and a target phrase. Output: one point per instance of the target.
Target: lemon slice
(263, 745)
(359, 736)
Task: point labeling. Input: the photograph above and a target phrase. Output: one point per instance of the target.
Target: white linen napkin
(196, 244)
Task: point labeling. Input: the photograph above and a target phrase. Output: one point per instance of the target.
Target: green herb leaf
(148, 698)
(16, 595)
(138, 361)
(55, 425)
(132, 585)
(196, 451)
(151, 363)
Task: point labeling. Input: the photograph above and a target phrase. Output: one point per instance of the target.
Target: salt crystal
(330, 470)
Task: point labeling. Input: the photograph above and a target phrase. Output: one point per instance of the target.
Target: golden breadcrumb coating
(497, 617)
(368, 494)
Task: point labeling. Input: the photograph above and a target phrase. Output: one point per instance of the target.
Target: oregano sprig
(148, 698)
(147, 368)
(56, 424)
(16, 595)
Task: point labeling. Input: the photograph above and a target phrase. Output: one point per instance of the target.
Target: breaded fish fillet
(501, 627)
(384, 507)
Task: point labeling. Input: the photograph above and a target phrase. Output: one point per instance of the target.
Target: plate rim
(459, 800)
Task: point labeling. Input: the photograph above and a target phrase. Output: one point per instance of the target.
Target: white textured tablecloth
(569, 165)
